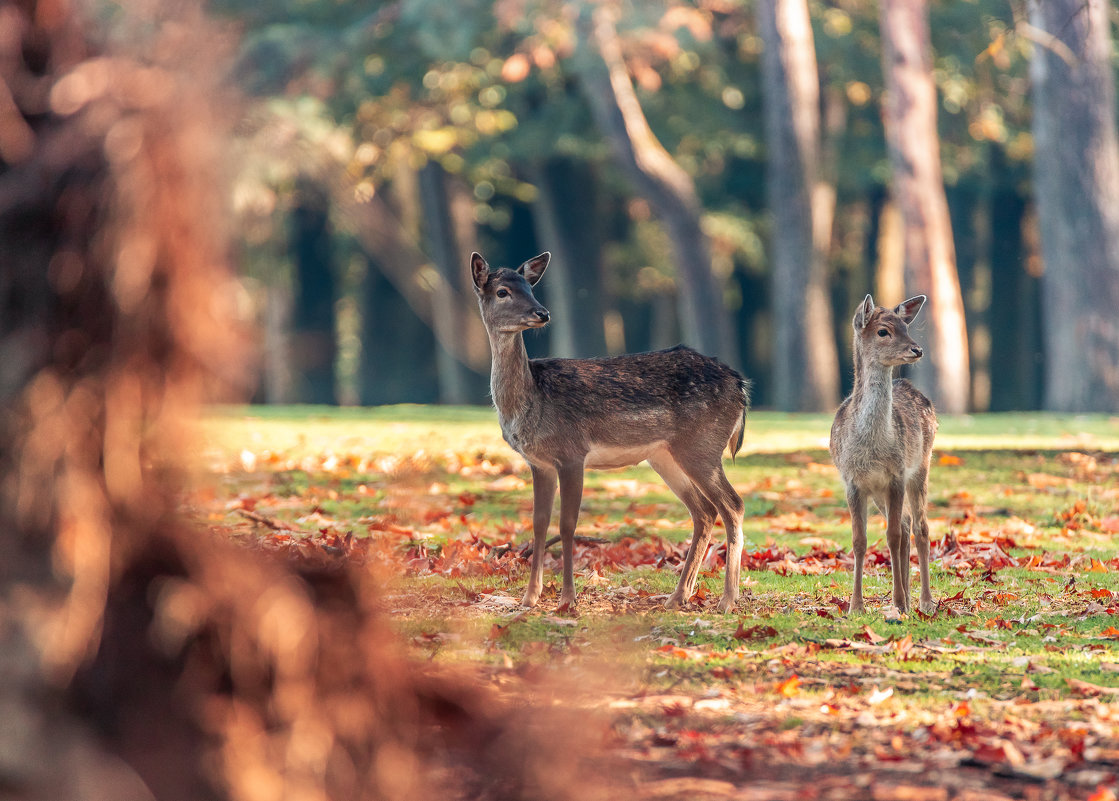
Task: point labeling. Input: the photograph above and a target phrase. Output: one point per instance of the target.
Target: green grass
(309, 430)
(439, 472)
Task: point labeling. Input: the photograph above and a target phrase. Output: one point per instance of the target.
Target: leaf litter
(790, 699)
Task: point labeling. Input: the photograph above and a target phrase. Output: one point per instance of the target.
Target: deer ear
(907, 309)
(863, 313)
(479, 269)
(534, 268)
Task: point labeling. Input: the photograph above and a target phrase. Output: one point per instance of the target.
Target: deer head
(882, 335)
(505, 296)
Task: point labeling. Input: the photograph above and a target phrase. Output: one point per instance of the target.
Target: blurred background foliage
(381, 143)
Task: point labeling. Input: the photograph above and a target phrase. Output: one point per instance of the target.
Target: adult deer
(675, 409)
(881, 442)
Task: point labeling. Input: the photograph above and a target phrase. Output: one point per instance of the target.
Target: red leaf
(758, 632)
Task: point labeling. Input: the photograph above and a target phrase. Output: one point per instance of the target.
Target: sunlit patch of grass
(1035, 486)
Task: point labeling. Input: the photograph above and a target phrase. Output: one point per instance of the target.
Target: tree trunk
(930, 261)
(395, 363)
(665, 184)
(448, 310)
(1077, 187)
(805, 361)
(313, 341)
(567, 224)
(1014, 314)
(385, 241)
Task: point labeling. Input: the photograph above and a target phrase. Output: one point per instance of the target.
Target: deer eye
(882, 332)
(503, 293)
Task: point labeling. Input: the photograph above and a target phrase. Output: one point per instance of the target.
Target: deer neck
(874, 396)
(511, 384)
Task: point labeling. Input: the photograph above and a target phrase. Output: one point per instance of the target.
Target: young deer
(674, 408)
(881, 442)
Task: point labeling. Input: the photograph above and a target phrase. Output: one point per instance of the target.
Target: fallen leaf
(878, 696)
(758, 632)
(949, 460)
(789, 687)
(870, 635)
(1089, 689)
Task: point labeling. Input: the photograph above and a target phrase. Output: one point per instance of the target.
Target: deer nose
(916, 350)
(542, 315)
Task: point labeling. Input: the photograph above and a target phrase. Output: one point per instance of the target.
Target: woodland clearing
(1010, 690)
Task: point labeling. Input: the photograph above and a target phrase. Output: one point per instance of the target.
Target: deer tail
(739, 433)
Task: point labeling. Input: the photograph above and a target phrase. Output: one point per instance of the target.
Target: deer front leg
(856, 503)
(918, 510)
(571, 498)
(543, 495)
(895, 499)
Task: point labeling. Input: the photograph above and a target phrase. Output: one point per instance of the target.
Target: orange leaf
(789, 687)
(1102, 794)
(961, 710)
(1110, 631)
(1097, 566)
(949, 460)
(870, 635)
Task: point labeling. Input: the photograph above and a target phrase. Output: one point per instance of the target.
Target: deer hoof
(674, 601)
(531, 598)
(928, 607)
(566, 602)
(726, 605)
(856, 608)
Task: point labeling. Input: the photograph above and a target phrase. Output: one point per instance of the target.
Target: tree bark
(930, 261)
(805, 361)
(314, 341)
(448, 311)
(385, 242)
(1077, 187)
(567, 225)
(667, 187)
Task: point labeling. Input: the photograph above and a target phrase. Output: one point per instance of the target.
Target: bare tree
(448, 320)
(566, 218)
(805, 362)
(1077, 186)
(669, 189)
(930, 258)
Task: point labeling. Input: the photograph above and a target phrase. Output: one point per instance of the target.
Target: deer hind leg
(571, 498)
(709, 479)
(703, 518)
(543, 496)
(917, 494)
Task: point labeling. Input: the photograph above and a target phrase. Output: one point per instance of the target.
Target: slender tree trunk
(806, 374)
(394, 365)
(1077, 187)
(930, 260)
(313, 321)
(385, 241)
(448, 311)
(665, 184)
(567, 225)
(1015, 309)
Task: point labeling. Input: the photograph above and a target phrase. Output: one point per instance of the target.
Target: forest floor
(1010, 690)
